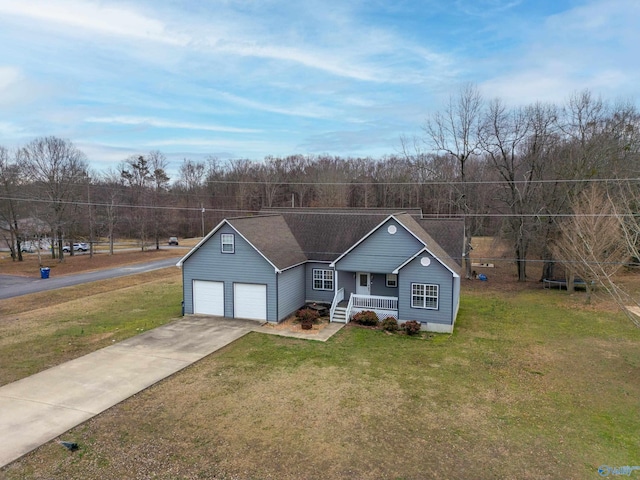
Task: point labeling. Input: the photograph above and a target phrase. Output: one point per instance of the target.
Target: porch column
(335, 282)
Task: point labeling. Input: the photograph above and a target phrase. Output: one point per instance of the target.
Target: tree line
(518, 172)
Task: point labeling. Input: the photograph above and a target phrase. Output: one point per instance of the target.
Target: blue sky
(251, 78)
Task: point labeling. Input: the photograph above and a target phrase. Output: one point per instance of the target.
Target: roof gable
(294, 236)
(448, 233)
(268, 235)
(271, 236)
(432, 246)
(324, 236)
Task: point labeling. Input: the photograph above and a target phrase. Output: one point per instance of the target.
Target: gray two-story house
(267, 266)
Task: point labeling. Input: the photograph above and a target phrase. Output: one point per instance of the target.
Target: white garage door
(250, 301)
(208, 298)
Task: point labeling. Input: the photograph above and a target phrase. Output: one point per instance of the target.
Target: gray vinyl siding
(291, 294)
(379, 286)
(434, 274)
(324, 296)
(381, 251)
(245, 265)
(347, 280)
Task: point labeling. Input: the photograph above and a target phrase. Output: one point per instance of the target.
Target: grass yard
(82, 262)
(45, 329)
(531, 385)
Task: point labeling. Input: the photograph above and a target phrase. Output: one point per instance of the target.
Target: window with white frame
(392, 280)
(227, 243)
(424, 295)
(322, 279)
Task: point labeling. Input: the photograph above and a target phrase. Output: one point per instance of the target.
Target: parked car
(173, 240)
(27, 248)
(82, 247)
(31, 246)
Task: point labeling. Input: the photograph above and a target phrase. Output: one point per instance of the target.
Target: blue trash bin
(44, 272)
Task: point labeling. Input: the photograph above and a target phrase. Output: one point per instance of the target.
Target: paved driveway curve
(14, 286)
(39, 408)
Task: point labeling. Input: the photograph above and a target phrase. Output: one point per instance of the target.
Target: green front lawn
(530, 385)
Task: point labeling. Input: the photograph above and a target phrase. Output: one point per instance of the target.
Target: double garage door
(249, 300)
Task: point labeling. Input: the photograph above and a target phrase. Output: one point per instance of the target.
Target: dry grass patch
(533, 384)
(59, 325)
(523, 389)
(30, 266)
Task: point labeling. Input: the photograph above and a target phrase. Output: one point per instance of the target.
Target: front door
(363, 283)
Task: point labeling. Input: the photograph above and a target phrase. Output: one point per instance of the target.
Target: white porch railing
(375, 302)
(383, 306)
(338, 297)
(349, 306)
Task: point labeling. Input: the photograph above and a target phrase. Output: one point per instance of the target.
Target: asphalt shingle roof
(448, 233)
(413, 225)
(271, 236)
(288, 237)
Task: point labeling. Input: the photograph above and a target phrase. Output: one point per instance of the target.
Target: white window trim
(394, 280)
(227, 239)
(428, 294)
(323, 275)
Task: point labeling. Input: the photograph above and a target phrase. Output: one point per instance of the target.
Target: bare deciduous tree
(10, 182)
(159, 187)
(58, 168)
(516, 142)
(109, 211)
(190, 184)
(591, 244)
(456, 132)
(147, 180)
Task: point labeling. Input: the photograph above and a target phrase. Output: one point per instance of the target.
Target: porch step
(340, 315)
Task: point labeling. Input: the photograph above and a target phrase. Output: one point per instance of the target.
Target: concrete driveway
(39, 408)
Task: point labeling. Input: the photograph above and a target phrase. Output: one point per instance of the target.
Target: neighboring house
(267, 266)
(32, 232)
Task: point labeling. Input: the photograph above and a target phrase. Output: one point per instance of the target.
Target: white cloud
(8, 77)
(8, 130)
(154, 122)
(17, 90)
(95, 18)
(346, 48)
(592, 46)
(484, 8)
(307, 110)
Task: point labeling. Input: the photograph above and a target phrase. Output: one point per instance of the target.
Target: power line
(354, 211)
(428, 182)
(363, 183)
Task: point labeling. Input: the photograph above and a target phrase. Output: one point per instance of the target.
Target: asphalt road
(14, 286)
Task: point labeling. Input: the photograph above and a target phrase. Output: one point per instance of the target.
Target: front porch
(343, 309)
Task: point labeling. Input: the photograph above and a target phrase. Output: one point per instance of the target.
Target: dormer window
(227, 243)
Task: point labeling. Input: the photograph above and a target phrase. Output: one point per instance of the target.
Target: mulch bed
(292, 324)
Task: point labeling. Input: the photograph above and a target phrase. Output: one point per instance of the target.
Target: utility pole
(90, 219)
(202, 212)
